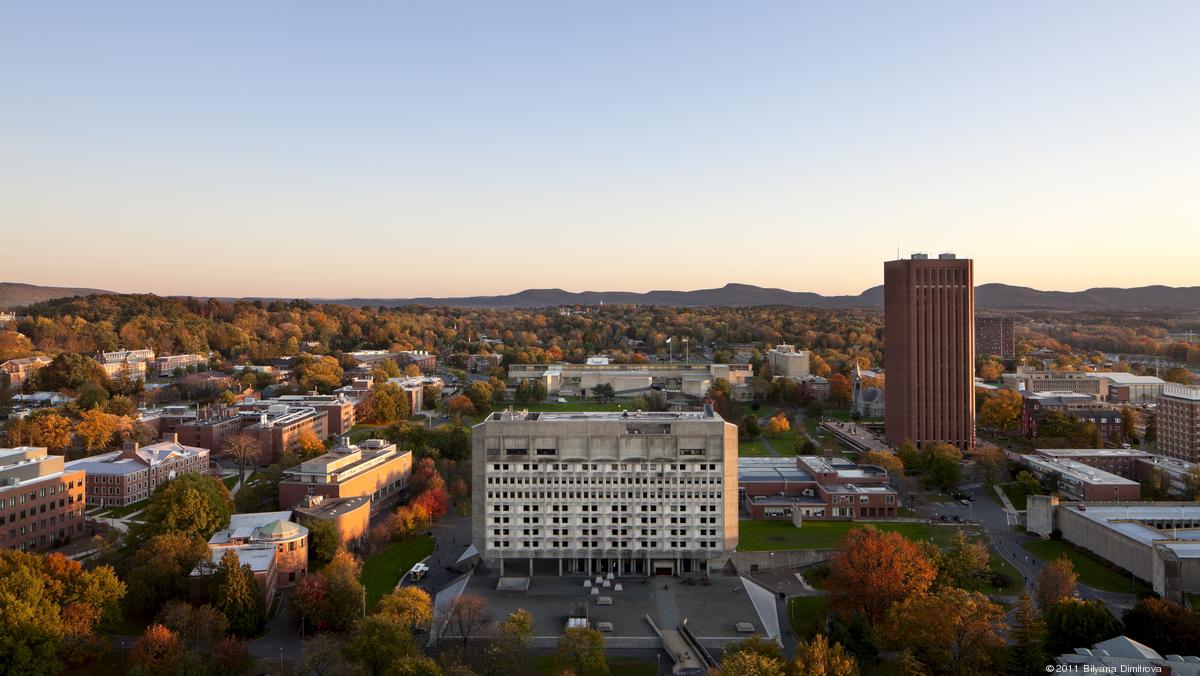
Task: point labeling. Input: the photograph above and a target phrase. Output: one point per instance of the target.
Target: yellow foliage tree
(777, 425)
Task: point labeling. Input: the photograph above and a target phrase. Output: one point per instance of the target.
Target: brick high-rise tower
(929, 350)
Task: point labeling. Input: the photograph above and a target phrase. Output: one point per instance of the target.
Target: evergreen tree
(1029, 655)
(236, 594)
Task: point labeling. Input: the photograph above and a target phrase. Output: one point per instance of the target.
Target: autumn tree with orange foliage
(875, 570)
(777, 425)
(157, 651)
(950, 632)
(460, 405)
(840, 390)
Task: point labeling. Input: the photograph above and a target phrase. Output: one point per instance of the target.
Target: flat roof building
(621, 493)
(929, 356)
(787, 361)
(1178, 411)
(41, 499)
(374, 468)
(350, 516)
(994, 337)
(812, 487)
(1028, 380)
(338, 407)
(1127, 388)
(1085, 407)
(1075, 480)
(270, 530)
(1158, 542)
(278, 428)
(1123, 655)
(629, 379)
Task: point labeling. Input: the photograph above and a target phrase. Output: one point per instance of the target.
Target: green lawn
(1016, 496)
(1090, 570)
(784, 444)
(817, 576)
(361, 431)
(1000, 565)
(230, 481)
(806, 615)
(754, 536)
(383, 571)
(752, 448)
(118, 512)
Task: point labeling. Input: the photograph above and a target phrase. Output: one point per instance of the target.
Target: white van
(418, 572)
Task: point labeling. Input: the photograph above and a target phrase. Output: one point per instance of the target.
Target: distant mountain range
(991, 296)
(13, 294)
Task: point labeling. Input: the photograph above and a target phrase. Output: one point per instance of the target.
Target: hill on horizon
(16, 294)
(987, 296)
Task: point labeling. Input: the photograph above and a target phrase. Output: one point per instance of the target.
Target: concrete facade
(579, 379)
(1029, 380)
(1158, 542)
(648, 493)
(787, 361)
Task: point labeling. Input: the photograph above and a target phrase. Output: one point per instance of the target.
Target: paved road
(1008, 544)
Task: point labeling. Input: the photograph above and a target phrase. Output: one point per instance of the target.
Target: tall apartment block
(1179, 422)
(929, 350)
(994, 336)
(621, 493)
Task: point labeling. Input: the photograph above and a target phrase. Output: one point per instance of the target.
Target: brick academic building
(929, 332)
(41, 500)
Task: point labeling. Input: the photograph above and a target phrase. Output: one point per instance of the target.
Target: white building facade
(598, 493)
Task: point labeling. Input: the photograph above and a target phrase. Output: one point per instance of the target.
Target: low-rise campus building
(1123, 655)
(41, 499)
(1085, 407)
(14, 372)
(813, 487)
(374, 468)
(1158, 542)
(338, 407)
(350, 516)
(166, 364)
(278, 428)
(1029, 380)
(127, 476)
(621, 493)
(272, 531)
(1179, 478)
(1127, 388)
(692, 380)
(212, 428)
(1075, 480)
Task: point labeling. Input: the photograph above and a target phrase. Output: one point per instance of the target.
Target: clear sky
(402, 149)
